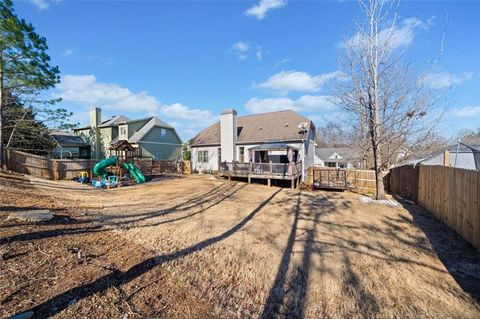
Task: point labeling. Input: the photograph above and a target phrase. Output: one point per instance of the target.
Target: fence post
(271, 168)
(55, 170)
(446, 158)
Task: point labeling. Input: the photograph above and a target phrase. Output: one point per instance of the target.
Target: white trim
(148, 142)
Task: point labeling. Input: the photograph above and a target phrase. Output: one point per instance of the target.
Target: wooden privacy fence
(39, 166)
(157, 167)
(403, 180)
(359, 180)
(453, 196)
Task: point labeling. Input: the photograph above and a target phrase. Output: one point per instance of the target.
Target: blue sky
(185, 61)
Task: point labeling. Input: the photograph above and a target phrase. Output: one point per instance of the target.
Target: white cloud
(306, 103)
(397, 36)
(185, 113)
(40, 4)
(100, 59)
(43, 4)
(259, 53)
(260, 10)
(84, 91)
(240, 49)
(282, 62)
(468, 111)
(286, 81)
(68, 52)
(446, 80)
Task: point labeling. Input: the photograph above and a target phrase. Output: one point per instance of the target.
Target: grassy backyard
(198, 247)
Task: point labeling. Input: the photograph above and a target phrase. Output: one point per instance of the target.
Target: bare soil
(198, 247)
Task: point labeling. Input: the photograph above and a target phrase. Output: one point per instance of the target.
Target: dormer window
(123, 131)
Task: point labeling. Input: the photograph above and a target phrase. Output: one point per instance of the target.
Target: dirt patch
(200, 247)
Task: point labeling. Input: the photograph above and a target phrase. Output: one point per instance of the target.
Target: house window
(330, 164)
(202, 156)
(158, 155)
(242, 155)
(123, 131)
(219, 153)
(163, 133)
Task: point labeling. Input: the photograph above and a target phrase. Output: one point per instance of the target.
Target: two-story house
(150, 136)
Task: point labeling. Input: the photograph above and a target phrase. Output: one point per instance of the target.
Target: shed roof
(68, 139)
(273, 147)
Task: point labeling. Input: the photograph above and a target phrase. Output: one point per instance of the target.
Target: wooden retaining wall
(39, 166)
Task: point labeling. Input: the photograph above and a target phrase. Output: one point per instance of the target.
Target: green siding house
(151, 136)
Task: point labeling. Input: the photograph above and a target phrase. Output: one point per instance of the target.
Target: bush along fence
(56, 169)
(450, 194)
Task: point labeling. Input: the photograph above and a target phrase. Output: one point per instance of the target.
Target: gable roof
(346, 154)
(157, 121)
(114, 121)
(258, 128)
(153, 122)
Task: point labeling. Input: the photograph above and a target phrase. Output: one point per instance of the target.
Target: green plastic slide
(99, 168)
(135, 171)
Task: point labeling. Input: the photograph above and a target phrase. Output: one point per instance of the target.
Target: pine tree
(25, 72)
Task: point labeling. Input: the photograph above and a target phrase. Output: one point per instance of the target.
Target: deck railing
(270, 169)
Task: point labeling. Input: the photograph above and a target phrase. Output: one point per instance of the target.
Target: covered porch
(271, 161)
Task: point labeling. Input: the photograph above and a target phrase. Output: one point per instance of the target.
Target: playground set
(117, 175)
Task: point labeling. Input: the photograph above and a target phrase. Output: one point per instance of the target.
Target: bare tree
(332, 135)
(469, 137)
(385, 101)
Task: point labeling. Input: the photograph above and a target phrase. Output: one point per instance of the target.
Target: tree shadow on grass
(459, 257)
(198, 205)
(287, 295)
(117, 278)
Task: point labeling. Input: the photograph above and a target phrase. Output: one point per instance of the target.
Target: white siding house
(233, 139)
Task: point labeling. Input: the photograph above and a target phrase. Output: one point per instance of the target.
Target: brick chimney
(228, 134)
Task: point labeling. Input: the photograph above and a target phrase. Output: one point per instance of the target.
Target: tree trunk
(380, 190)
(2, 159)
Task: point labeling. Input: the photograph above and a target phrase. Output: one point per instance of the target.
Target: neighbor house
(149, 137)
(69, 146)
(461, 156)
(280, 138)
(338, 157)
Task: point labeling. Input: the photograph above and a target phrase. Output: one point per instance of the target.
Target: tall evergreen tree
(25, 71)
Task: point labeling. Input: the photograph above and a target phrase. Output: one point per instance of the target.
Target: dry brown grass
(196, 246)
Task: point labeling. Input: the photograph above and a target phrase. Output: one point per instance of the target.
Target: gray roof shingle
(258, 128)
(67, 139)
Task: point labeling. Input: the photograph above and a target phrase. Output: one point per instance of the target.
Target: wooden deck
(268, 171)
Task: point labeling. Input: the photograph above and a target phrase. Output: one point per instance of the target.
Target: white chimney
(95, 117)
(228, 135)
